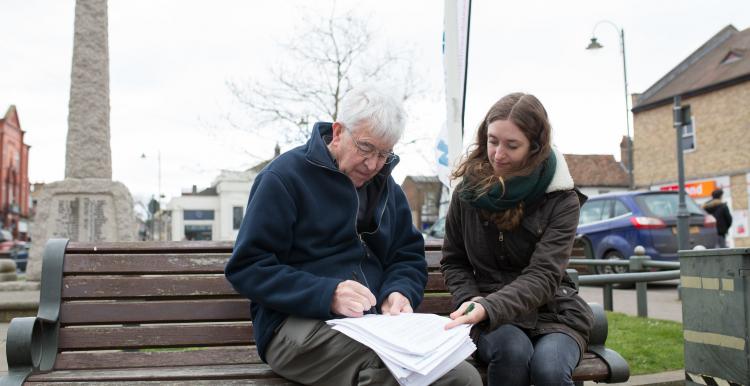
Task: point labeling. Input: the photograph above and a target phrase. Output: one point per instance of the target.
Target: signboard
(693, 189)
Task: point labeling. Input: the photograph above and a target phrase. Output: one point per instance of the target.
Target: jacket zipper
(363, 244)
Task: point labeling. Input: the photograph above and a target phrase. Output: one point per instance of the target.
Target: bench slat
(71, 360)
(441, 305)
(109, 312)
(167, 335)
(190, 382)
(157, 247)
(112, 287)
(172, 263)
(216, 372)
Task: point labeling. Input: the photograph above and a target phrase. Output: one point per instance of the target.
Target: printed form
(415, 347)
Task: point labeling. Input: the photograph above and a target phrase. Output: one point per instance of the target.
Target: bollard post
(607, 297)
(641, 288)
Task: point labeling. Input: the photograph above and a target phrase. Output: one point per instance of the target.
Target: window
(620, 209)
(688, 130)
(593, 211)
(665, 205)
(236, 217)
(198, 232)
(198, 215)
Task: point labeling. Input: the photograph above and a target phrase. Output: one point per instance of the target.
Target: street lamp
(594, 45)
(159, 195)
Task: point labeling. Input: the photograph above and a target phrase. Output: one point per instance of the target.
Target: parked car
(16, 250)
(436, 230)
(616, 223)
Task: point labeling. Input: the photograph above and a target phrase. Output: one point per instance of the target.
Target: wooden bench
(163, 313)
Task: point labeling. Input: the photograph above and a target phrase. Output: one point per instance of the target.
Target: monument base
(90, 209)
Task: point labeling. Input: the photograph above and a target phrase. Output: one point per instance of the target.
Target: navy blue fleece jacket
(299, 239)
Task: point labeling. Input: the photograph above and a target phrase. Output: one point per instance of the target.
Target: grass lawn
(648, 345)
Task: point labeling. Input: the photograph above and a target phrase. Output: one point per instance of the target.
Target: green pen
(469, 308)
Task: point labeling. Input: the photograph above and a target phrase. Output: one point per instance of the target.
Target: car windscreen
(665, 205)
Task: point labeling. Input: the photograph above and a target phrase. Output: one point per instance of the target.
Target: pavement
(663, 303)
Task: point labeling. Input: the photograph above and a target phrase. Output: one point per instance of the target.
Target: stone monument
(87, 205)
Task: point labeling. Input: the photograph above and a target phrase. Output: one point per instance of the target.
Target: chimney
(195, 189)
(624, 159)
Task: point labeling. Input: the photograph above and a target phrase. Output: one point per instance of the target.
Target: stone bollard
(641, 288)
(8, 270)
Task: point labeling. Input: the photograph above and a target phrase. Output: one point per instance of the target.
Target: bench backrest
(153, 300)
(125, 304)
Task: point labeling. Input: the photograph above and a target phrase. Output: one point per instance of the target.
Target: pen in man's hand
(469, 309)
(373, 310)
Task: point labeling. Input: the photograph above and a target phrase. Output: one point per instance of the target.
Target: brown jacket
(521, 273)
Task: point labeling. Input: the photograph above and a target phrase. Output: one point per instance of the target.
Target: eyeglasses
(368, 150)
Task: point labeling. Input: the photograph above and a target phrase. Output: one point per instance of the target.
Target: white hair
(371, 107)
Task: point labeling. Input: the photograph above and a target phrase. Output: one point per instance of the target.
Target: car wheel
(612, 255)
(615, 255)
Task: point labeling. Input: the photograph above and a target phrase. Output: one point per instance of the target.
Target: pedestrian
(509, 232)
(719, 209)
(328, 233)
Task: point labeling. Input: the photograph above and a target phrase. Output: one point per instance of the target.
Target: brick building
(597, 173)
(714, 86)
(423, 194)
(14, 176)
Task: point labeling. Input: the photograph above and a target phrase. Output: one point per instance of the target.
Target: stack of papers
(416, 347)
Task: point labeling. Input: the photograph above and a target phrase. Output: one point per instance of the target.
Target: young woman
(508, 236)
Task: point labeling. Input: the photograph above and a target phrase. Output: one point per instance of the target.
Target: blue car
(615, 223)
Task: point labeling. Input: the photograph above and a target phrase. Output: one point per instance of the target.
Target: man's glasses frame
(368, 150)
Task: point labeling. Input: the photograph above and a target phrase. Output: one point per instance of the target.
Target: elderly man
(328, 234)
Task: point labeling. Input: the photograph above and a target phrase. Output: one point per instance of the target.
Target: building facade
(14, 176)
(423, 194)
(713, 84)
(214, 213)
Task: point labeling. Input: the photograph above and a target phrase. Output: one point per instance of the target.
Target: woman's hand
(476, 314)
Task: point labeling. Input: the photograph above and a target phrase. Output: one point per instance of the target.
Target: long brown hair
(526, 112)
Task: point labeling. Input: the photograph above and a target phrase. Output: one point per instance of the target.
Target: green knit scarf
(527, 189)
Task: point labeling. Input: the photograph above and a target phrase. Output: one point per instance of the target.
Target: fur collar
(562, 179)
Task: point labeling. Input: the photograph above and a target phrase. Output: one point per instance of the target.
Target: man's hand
(352, 299)
(395, 304)
(474, 316)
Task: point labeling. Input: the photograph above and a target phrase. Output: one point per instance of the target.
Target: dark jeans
(513, 358)
(722, 241)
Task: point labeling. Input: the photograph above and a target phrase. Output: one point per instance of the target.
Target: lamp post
(594, 45)
(159, 195)
(683, 216)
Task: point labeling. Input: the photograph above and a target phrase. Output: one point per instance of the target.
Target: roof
(424, 179)
(596, 170)
(11, 117)
(722, 61)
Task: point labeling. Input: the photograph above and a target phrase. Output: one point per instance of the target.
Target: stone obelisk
(87, 205)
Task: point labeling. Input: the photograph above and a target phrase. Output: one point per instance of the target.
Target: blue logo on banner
(443, 147)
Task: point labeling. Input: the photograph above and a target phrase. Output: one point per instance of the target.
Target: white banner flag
(449, 144)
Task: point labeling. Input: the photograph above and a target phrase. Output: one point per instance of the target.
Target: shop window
(236, 217)
(198, 232)
(198, 215)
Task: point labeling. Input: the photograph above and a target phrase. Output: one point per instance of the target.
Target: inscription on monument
(84, 217)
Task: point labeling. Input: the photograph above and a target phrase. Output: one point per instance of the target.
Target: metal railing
(639, 273)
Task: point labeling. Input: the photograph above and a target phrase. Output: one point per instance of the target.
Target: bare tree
(324, 61)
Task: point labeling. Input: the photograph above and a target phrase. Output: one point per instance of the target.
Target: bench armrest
(32, 341)
(618, 367)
